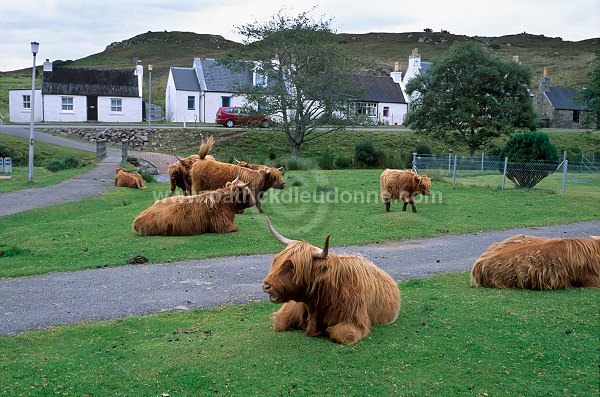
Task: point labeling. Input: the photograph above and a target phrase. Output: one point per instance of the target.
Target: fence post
(100, 149)
(482, 156)
(454, 175)
(124, 147)
(565, 167)
(449, 162)
(582, 158)
(504, 173)
(414, 162)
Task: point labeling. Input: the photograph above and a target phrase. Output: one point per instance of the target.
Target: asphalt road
(33, 303)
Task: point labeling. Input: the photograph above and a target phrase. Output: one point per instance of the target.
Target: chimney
(544, 83)
(139, 72)
(516, 58)
(47, 66)
(396, 75)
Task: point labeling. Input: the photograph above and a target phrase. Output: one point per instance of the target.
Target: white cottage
(76, 95)
(382, 98)
(415, 68)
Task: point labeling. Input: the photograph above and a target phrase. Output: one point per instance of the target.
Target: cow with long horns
(538, 263)
(402, 185)
(208, 212)
(339, 296)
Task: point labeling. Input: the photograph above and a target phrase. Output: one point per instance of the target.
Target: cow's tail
(205, 147)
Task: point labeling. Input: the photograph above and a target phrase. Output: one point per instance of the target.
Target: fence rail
(501, 173)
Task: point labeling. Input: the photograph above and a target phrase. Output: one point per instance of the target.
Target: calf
(404, 185)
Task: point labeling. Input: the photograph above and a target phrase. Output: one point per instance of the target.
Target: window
(26, 101)
(386, 111)
(260, 79)
(116, 105)
(576, 116)
(67, 103)
(368, 109)
(225, 101)
(191, 102)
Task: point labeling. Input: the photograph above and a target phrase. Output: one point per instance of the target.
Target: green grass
(449, 340)
(41, 177)
(97, 232)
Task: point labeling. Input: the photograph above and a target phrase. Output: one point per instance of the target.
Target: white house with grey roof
(415, 67)
(196, 93)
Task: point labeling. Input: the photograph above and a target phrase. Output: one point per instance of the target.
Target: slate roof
(216, 77)
(379, 89)
(425, 66)
(562, 98)
(185, 79)
(100, 82)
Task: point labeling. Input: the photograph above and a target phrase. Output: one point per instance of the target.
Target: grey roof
(100, 82)
(425, 66)
(379, 89)
(185, 79)
(219, 78)
(562, 98)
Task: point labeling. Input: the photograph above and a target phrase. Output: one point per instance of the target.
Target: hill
(567, 61)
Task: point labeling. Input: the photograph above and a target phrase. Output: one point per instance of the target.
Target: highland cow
(128, 179)
(210, 175)
(339, 296)
(208, 212)
(180, 173)
(538, 263)
(402, 185)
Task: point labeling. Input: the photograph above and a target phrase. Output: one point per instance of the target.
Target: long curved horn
(280, 168)
(322, 253)
(236, 160)
(237, 178)
(279, 237)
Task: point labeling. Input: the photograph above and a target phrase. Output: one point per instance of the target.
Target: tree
(308, 77)
(471, 97)
(589, 96)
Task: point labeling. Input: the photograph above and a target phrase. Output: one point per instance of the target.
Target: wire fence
(579, 176)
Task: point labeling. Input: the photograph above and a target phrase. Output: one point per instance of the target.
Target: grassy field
(345, 203)
(449, 340)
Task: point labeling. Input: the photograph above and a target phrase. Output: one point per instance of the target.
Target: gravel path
(33, 303)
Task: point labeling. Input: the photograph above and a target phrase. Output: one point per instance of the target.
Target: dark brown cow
(538, 263)
(210, 175)
(339, 296)
(128, 179)
(208, 212)
(180, 174)
(402, 185)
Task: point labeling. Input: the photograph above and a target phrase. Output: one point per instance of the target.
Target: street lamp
(149, 98)
(35, 46)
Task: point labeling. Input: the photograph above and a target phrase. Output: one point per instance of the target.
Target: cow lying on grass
(402, 185)
(128, 179)
(208, 212)
(210, 174)
(340, 296)
(538, 263)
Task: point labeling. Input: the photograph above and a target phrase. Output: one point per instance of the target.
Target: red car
(233, 115)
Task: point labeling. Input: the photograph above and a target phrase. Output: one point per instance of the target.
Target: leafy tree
(366, 155)
(471, 97)
(531, 158)
(308, 76)
(590, 96)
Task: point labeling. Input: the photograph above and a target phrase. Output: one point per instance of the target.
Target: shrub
(531, 158)
(366, 155)
(344, 162)
(299, 164)
(55, 165)
(71, 162)
(147, 177)
(320, 189)
(327, 160)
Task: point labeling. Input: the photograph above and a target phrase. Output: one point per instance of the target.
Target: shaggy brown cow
(209, 212)
(180, 174)
(210, 175)
(128, 179)
(340, 296)
(404, 185)
(539, 263)
(256, 167)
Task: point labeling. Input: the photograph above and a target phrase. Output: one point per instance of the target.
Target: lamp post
(148, 112)
(35, 46)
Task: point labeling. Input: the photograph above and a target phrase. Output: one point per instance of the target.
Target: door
(92, 108)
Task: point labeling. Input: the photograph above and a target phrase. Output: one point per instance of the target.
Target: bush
(55, 165)
(366, 155)
(531, 158)
(147, 177)
(71, 162)
(344, 162)
(300, 164)
(327, 160)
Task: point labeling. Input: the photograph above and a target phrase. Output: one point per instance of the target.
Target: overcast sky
(73, 29)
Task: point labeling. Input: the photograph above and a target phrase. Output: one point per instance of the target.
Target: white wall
(212, 102)
(53, 108)
(131, 110)
(15, 106)
(396, 115)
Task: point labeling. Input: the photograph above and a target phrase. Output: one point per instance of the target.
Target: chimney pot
(545, 72)
(396, 66)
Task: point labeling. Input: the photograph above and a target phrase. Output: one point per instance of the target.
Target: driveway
(33, 303)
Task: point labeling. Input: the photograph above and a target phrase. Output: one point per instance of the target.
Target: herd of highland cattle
(342, 296)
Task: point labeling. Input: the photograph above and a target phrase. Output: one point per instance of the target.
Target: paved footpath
(33, 303)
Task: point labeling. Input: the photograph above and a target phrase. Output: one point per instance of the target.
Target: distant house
(196, 93)
(555, 106)
(415, 67)
(76, 95)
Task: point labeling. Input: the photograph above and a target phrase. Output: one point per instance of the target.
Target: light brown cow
(538, 263)
(402, 185)
(339, 296)
(208, 212)
(128, 179)
(210, 175)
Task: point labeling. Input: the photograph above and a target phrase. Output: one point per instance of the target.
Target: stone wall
(137, 137)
